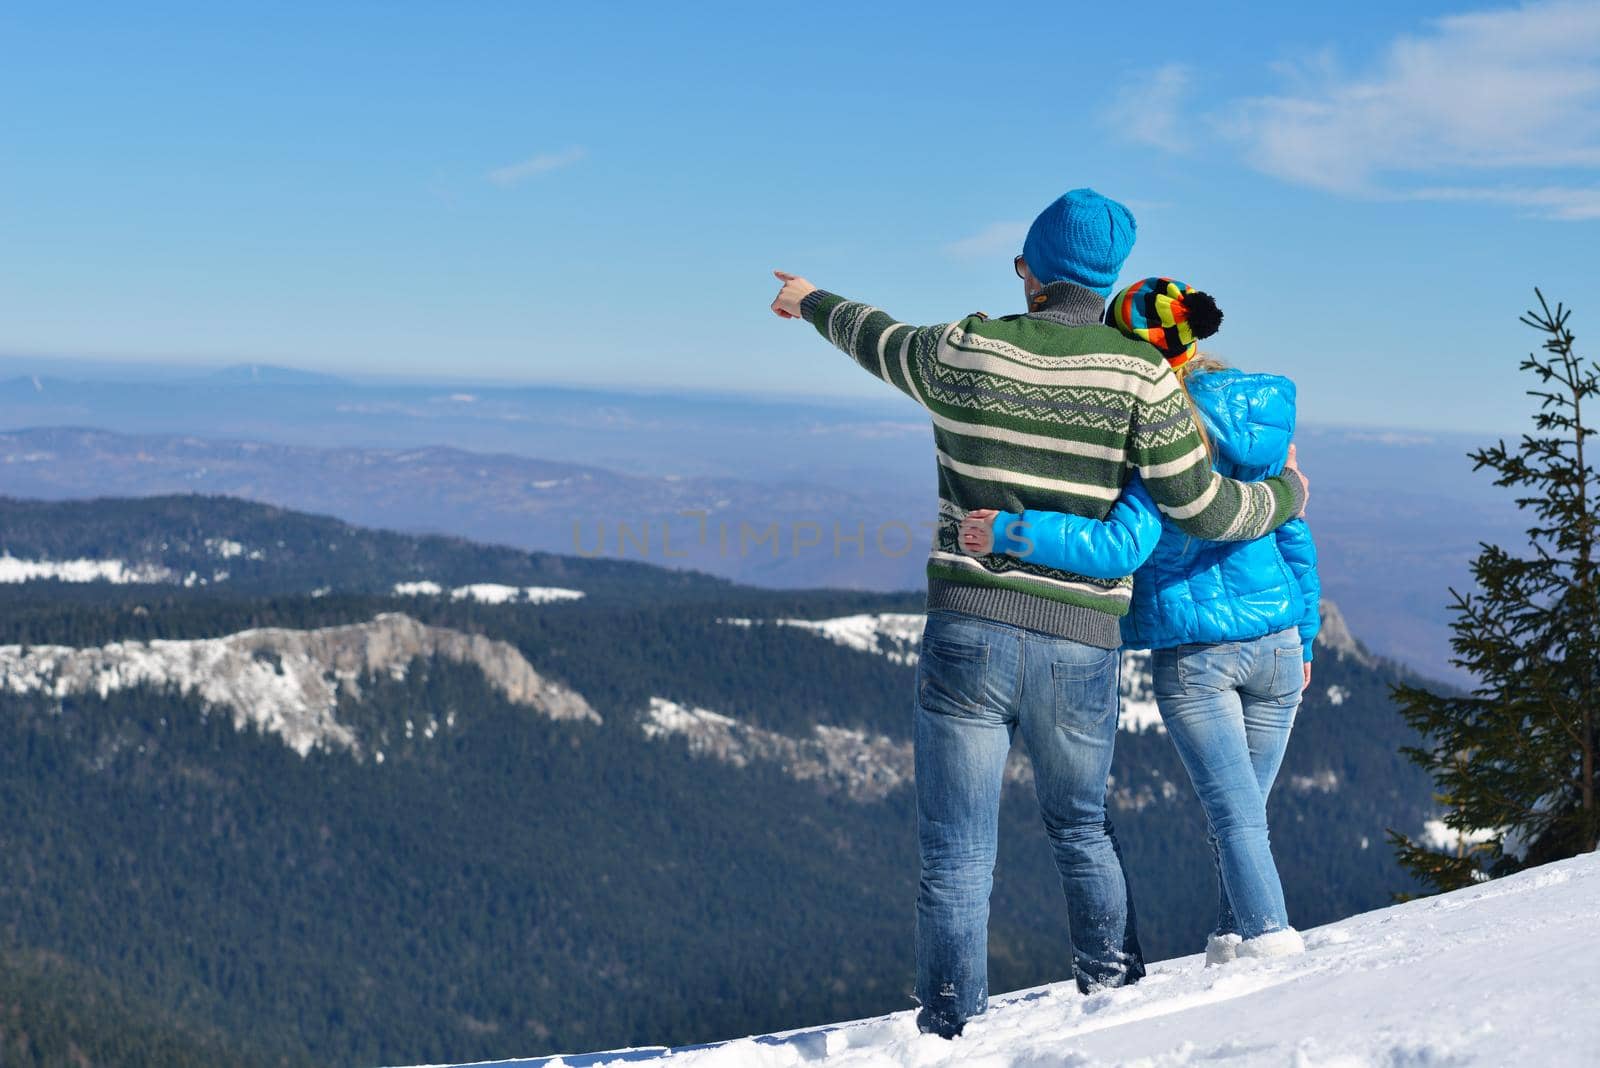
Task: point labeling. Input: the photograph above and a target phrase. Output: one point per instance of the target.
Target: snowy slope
(1507, 973)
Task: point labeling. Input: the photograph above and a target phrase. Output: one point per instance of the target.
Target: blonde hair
(1199, 363)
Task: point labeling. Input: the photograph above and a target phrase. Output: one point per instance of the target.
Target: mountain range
(798, 496)
(361, 797)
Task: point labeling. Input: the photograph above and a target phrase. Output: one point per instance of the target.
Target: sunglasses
(1018, 264)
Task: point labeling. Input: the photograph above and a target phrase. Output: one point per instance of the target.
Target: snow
(1435, 835)
(490, 592)
(224, 548)
(669, 717)
(1337, 694)
(418, 589)
(495, 593)
(117, 572)
(486, 593)
(1325, 781)
(892, 635)
(1503, 973)
(862, 766)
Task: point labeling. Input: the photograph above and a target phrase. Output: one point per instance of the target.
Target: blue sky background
(597, 193)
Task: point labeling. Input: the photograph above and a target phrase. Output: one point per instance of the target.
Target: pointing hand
(795, 288)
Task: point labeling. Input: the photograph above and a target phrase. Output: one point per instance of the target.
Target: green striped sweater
(1053, 411)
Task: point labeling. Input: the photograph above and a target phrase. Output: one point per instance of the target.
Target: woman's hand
(795, 288)
(1293, 464)
(977, 532)
(1306, 685)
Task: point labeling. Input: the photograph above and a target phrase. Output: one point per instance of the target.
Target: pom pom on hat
(1205, 318)
(1167, 313)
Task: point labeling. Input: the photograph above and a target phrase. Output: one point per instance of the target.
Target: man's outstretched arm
(891, 350)
(1176, 468)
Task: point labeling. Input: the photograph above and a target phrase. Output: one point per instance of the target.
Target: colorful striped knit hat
(1170, 315)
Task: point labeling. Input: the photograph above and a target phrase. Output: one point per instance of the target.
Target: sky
(598, 193)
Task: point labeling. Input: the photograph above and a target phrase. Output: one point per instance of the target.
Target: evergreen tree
(1513, 760)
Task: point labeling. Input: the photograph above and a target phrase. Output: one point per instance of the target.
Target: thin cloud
(1549, 202)
(1148, 108)
(517, 173)
(1513, 93)
(996, 239)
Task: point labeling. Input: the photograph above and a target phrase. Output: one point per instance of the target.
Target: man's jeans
(1229, 708)
(978, 683)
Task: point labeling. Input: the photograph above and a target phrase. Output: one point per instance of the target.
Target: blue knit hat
(1082, 237)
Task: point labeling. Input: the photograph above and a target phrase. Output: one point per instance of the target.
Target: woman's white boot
(1282, 943)
(1220, 949)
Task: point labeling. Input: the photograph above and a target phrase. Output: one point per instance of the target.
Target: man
(1048, 410)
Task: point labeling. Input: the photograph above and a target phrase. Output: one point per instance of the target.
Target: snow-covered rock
(1335, 637)
(1504, 973)
(286, 682)
(865, 767)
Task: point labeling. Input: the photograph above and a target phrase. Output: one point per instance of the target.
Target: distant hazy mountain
(656, 434)
(365, 798)
(249, 374)
(1398, 513)
(777, 533)
(1397, 517)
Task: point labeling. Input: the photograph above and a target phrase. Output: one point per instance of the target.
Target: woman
(1230, 624)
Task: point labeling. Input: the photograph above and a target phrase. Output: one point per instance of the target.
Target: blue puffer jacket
(1185, 589)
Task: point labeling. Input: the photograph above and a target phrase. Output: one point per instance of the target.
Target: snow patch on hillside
(286, 682)
(424, 588)
(891, 635)
(1325, 781)
(228, 549)
(1505, 973)
(864, 767)
(490, 592)
(117, 572)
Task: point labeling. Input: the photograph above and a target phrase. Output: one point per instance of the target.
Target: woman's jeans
(978, 684)
(1229, 708)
